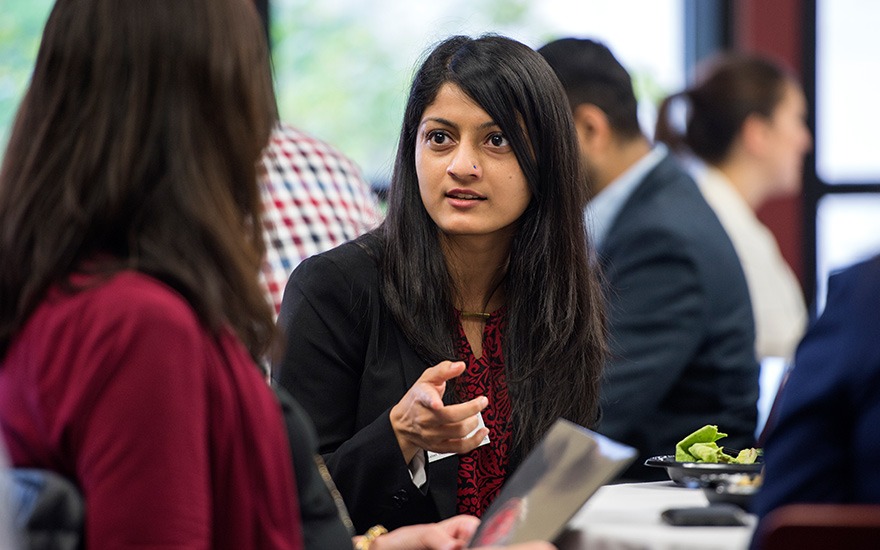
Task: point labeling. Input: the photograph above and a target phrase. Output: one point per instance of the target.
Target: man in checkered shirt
(314, 198)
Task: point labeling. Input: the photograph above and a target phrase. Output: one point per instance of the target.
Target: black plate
(700, 473)
(731, 493)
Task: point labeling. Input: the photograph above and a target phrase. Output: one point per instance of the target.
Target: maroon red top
(482, 471)
(172, 434)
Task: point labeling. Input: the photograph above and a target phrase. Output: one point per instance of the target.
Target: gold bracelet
(372, 534)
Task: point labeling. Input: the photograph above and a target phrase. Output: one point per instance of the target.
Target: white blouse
(777, 299)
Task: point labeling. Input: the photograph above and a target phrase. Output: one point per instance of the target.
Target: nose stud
(457, 168)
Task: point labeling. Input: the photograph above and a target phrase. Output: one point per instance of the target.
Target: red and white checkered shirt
(314, 198)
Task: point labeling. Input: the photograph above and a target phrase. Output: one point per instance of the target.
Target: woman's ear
(755, 134)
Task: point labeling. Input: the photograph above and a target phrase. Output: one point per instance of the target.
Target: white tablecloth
(627, 516)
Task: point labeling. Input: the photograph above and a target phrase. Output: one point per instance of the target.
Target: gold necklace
(482, 315)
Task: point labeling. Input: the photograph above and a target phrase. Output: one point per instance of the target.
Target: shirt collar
(602, 209)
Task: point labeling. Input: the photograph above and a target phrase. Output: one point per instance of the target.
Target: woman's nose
(808, 140)
(464, 164)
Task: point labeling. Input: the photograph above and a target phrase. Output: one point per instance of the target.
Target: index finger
(441, 372)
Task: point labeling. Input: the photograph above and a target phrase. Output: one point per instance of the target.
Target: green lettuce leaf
(706, 434)
(701, 446)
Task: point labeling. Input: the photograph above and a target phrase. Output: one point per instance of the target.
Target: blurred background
(342, 68)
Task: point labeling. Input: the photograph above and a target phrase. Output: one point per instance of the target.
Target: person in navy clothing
(681, 331)
(824, 446)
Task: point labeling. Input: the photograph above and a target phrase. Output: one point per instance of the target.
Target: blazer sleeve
(330, 314)
(655, 314)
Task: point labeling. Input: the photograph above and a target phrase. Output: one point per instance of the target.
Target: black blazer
(681, 329)
(347, 363)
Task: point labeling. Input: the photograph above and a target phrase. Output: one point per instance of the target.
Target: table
(627, 516)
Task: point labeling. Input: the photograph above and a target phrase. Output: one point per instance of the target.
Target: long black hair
(554, 345)
(135, 147)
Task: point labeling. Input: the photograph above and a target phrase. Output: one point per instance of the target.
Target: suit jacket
(825, 444)
(680, 323)
(347, 363)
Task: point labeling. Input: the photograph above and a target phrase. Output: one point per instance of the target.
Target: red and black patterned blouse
(482, 471)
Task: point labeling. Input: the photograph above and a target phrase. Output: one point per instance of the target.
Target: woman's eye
(498, 140)
(437, 137)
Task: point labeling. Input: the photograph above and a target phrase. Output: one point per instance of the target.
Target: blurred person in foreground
(824, 446)
(474, 295)
(681, 333)
(130, 308)
(745, 120)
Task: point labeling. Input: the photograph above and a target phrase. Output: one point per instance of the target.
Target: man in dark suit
(680, 321)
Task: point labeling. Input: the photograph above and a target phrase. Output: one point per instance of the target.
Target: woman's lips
(463, 198)
(465, 194)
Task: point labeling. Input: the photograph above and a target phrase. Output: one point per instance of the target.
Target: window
(343, 67)
(843, 184)
(847, 79)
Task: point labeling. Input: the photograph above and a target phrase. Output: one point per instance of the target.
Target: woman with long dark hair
(475, 300)
(130, 308)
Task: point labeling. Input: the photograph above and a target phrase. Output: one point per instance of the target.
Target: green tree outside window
(21, 26)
